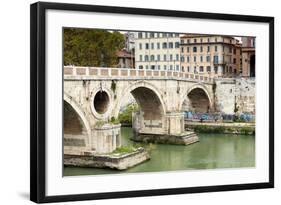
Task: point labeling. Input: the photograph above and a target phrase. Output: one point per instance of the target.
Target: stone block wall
(231, 93)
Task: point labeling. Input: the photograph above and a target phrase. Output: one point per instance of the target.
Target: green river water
(213, 151)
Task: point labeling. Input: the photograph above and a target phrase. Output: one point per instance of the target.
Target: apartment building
(211, 55)
(157, 51)
(248, 56)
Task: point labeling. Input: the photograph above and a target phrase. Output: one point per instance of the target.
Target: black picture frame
(38, 101)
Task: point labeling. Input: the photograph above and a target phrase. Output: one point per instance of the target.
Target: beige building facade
(157, 51)
(248, 57)
(210, 55)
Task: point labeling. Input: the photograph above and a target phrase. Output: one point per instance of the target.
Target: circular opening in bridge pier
(101, 102)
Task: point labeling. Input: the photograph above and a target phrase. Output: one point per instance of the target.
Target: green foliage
(124, 150)
(247, 130)
(126, 116)
(114, 121)
(91, 47)
(209, 129)
(113, 86)
(99, 124)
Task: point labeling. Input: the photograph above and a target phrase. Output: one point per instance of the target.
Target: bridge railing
(103, 72)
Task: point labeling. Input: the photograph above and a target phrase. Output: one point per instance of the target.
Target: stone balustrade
(74, 72)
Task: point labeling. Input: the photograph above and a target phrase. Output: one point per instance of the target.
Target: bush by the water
(125, 117)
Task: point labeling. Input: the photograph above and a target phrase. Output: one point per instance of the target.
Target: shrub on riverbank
(224, 129)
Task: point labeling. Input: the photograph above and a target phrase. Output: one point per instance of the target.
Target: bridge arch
(197, 99)
(148, 97)
(74, 114)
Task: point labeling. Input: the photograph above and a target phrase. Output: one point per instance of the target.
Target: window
(201, 59)
(201, 49)
(208, 58)
(195, 40)
(216, 39)
(164, 35)
(152, 58)
(182, 41)
(177, 57)
(158, 57)
(216, 69)
(164, 45)
(234, 50)
(146, 46)
(140, 35)
(146, 67)
(140, 46)
(171, 57)
(170, 45)
(158, 45)
(194, 49)
(234, 60)
(140, 67)
(159, 67)
(182, 69)
(216, 48)
(165, 57)
(182, 49)
(165, 67)
(216, 59)
(201, 40)
(201, 69)
(182, 58)
(208, 68)
(140, 57)
(152, 67)
(230, 49)
(188, 69)
(187, 59)
(171, 67)
(151, 35)
(152, 45)
(208, 49)
(177, 35)
(223, 48)
(177, 67)
(177, 44)
(170, 34)
(146, 35)
(188, 41)
(146, 58)
(194, 69)
(208, 40)
(194, 59)
(188, 49)
(158, 35)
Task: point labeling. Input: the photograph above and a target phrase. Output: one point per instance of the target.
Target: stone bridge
(94, 95)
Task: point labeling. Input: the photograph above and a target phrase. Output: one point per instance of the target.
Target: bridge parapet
(74, 72)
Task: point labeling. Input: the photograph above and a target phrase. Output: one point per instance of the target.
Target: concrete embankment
(112, 161)
(223, 128)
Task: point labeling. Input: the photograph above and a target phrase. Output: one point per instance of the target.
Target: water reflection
(213, 151)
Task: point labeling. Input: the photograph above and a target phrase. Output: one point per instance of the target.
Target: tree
(92, 47)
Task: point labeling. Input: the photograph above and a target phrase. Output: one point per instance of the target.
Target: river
(213, 151)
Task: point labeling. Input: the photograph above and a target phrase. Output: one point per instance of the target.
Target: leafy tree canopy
(92, 47)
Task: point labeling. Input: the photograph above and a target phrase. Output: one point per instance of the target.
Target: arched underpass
(149, 103)
(197, 101)
(75, 132)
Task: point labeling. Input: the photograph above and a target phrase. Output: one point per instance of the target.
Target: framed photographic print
(129, 102)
